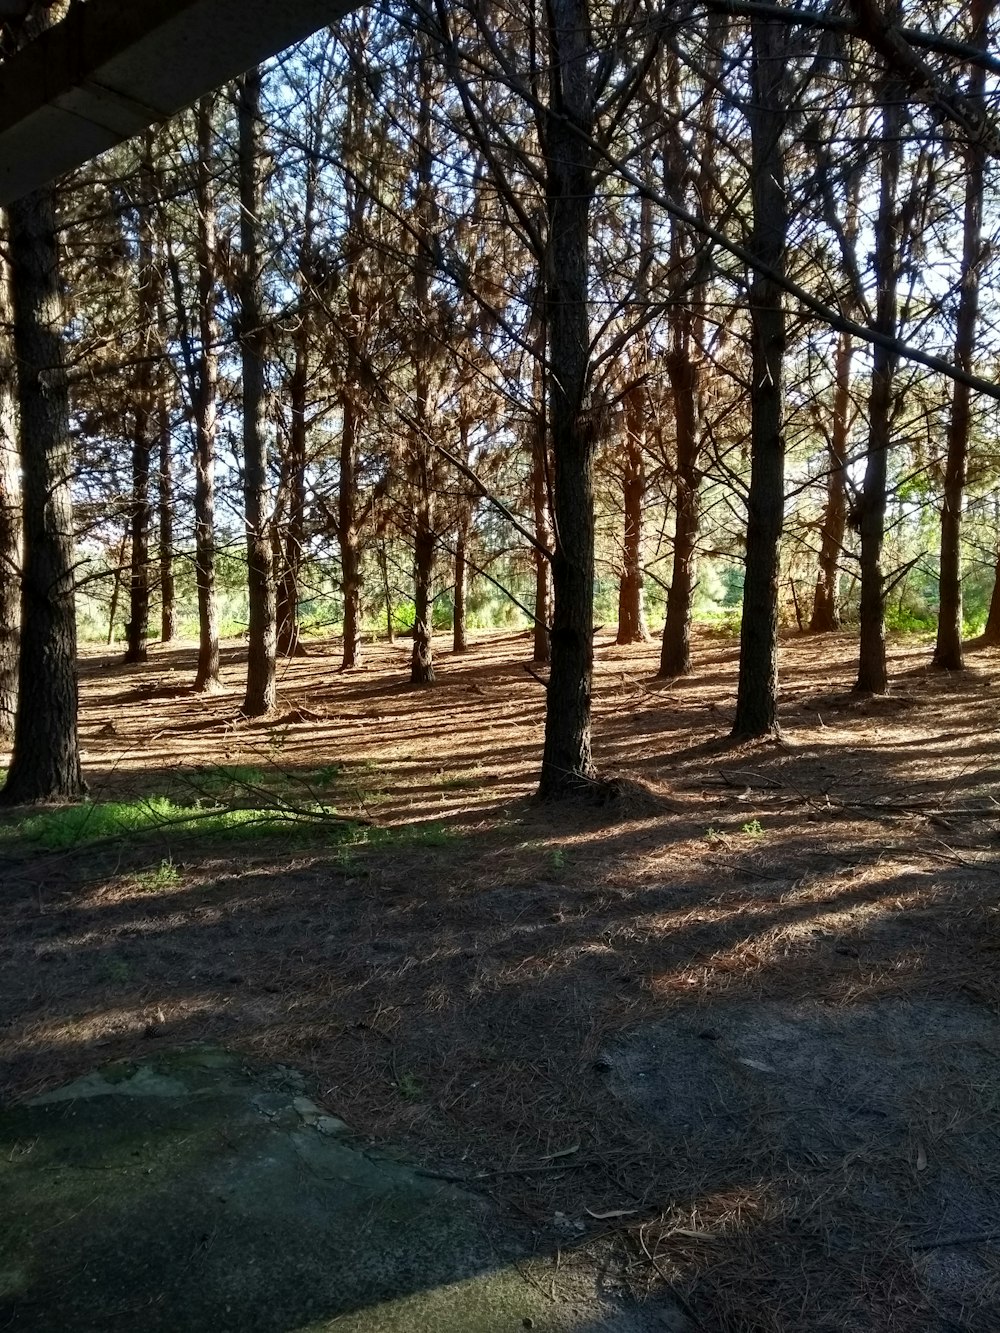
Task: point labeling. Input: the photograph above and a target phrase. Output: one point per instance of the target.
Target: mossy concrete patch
(189, 1193)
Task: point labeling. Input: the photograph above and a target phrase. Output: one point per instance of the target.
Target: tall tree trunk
(873, 677)
(675, 653)
(145, 381)
(632, 626)
(294, 486)
(261, 691)
(757, 692)
(948, 649)
(207, 677)
(165, 498)
(45, 765)
(826, 600)
(10, 520)
(420, 467)
(567, 761)
(347, 530)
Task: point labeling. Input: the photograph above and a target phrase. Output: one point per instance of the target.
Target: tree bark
(291, 545)
(675, 653)
(45, 764)
(757, 691)
(207, 676)
(632, 627)
(460, 642)
(165, 498)
(948, 649)
(261, 690)
(10, 520)
(422, 660)
(541, 640)
(420, 467)
(347, 530)
(825, 616)
(873, 677)
(294, 486)
(144, 407)
(567, 760)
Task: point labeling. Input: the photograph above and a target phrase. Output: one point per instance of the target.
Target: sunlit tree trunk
(10, 519)
(165, 493)
(632, 626)
(45, 763)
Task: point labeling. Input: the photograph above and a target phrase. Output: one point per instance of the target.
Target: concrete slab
(189, 1193)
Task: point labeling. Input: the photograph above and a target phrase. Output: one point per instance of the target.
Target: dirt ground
(738, 1035)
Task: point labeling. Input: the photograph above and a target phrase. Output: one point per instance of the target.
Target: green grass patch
(77, 825)
(409, 835)
(230, 779)
(164, 876)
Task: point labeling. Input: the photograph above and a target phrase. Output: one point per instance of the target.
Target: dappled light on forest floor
(745, 1038)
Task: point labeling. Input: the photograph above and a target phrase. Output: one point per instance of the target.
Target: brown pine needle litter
(732, 1027)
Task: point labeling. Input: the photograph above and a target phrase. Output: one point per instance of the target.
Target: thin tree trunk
(873, 677)
(137, 629)
(541, 641)
(422, 660)
(757, 692)
(207, 677)
(825, 616)
(567, 760)
(165, 496)
(383, 565)
(347, 523)
(419, 464)
(632, 627)
(675, 653)
(948, 649)
(261, 691)
(45, 764)
(294, 484)
(116, 583)
(10, 520)
(460, 641)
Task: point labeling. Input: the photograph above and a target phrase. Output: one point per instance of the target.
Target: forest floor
(738, 1032)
